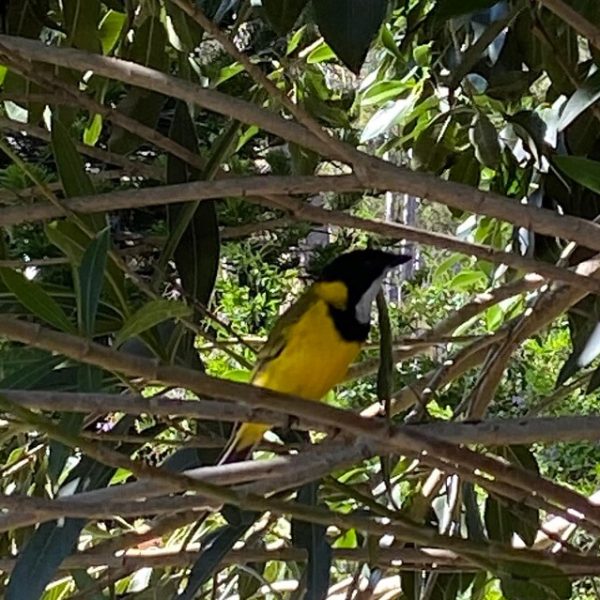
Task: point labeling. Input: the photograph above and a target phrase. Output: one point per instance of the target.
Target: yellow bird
(314, 342)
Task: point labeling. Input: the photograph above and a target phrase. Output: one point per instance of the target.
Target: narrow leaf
(91, 278)
(149, 315)
(484, 137)
(110, 29)
(35, 299)
(580, 169)
(216, 548)
(312, 537)
(71, 170)
(581, 100)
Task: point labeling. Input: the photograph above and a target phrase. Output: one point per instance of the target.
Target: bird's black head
(362, 272)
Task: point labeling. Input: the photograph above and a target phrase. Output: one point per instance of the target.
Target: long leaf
(73, 242)
(193, 226)
(219, 545)
(581, 100)
(35, 299)
(149, 315)
(312, 537)
(91, 279)
(52, 542)
(282, 14)
(580, 169)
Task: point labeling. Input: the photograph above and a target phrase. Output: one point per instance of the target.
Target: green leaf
(92, 132)
(149, 315)
(110, 29)
(385, 373)
(484, 137)
(581, 100)
(184, 33)
(29, 375)
(215, 549)
(382, 91)
(467, 280)
(73, 242)
(450, 263)
(582, 170)
(147, 49)
(349, 28)
(505, 518)
(71, 170)
(322, 53)
(283, 14)
(81, 21)
(91, 279)
(530, 581)
(35, 299)
(89, 380)
(312, 537)
(388, 116)
(194, 234)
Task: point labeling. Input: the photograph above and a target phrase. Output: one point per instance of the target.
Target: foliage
(495, 95)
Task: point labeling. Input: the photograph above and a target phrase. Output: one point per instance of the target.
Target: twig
(111, 158)
(570, 16)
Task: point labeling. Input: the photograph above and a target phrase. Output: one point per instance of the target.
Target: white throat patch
(365, 304)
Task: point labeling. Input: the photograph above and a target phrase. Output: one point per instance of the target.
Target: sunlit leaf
(149, 315)
(33, 297)
(581, 100)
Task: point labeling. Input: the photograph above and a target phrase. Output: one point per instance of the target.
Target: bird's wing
(278, 337)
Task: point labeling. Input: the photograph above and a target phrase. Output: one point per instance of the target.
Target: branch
(375, 172)
(136, 499)
(130, 166)
(459, 460)
(399, 558)
(494, 432)
(257, 188)
(578, 22)
(65, 94)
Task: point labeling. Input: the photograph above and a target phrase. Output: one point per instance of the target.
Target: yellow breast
(315, 357)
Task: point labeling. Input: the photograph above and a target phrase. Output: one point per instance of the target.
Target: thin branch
(257, 188)
(136, 499)
(578, 22)
(494, 432)
(375, 173)
(111, 158)
(459, 317)
(237, 231)
(33, 262)
(64, 94)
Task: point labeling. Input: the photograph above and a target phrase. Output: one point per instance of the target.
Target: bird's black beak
(394, 260)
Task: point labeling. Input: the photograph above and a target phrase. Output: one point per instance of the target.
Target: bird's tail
(242, 442)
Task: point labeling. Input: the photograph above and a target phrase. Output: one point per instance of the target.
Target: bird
(315, 340)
